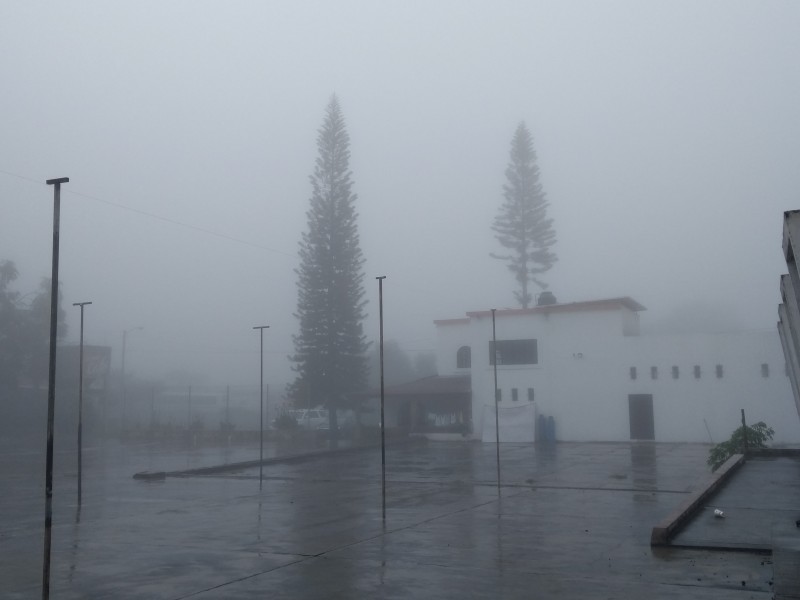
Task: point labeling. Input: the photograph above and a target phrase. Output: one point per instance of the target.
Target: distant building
(437, 407)
(582, 371)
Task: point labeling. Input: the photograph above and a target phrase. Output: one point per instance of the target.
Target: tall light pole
(51, 387)
(496, 399)
(261, 329)
(123, 424)
(80, 406)
(383, 423)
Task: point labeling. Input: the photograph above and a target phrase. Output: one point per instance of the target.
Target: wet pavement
(760, 503)
(761, 511)
(572, 521)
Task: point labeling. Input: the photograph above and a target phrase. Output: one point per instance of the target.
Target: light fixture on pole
(383, 420)
(51, 387)
(261, 329)
(80, 406)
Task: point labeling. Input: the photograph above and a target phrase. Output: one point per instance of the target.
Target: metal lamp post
(51, 387)
(496, 399)
(80, 406)
(261, 329)
(383, 423)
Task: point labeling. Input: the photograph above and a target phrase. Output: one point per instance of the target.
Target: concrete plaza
(571, 521)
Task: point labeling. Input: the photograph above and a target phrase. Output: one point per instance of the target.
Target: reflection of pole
(80, 406)
(383, 422)
(51, 387)
(261, 329)
(496, 398)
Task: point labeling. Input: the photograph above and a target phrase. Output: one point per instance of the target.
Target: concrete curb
(669, 526)
(212, 470)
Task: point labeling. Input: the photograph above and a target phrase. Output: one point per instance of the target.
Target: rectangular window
(530, 394)
(653, 372)
(498, 395)
(675, 372)
(719, 371)
(764, 370)
(633, 373)
(514, 352)
(697, 371)
(514, 394)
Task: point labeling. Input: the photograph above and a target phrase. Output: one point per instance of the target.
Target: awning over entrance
(436, 404)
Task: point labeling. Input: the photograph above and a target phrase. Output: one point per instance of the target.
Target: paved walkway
(572, 521)
(761, 504)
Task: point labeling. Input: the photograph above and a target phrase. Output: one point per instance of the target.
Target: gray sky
(668, 138)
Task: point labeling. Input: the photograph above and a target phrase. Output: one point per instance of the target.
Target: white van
(311, 418)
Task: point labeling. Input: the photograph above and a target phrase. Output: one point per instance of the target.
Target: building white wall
(708, 408)
(583, 380)
(450, 336)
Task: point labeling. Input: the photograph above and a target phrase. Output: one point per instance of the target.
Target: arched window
(464, 358)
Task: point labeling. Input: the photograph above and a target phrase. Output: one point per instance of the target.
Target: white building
(586, 365)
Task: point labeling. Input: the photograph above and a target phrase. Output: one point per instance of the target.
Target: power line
(159, 217)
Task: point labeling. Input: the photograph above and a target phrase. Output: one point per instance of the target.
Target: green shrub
(757, 437)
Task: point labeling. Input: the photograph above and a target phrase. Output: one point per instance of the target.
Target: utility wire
(159, 217)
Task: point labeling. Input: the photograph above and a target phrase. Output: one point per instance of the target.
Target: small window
(653, 372)
(719, 371)
(530, 394)
(514, 394)
(464, 358)
(764, 370)
(675, 372)
(514, 352)
(697, 372)
(498, 395)
(633, 373)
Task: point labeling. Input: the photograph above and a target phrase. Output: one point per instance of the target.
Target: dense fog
(667, 135)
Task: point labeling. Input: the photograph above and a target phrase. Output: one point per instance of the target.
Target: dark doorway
(640, 407)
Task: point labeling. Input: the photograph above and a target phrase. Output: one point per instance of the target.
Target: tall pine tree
(330, 349)
(522, 225)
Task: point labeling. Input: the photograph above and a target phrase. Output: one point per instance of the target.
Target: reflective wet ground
(571, 521)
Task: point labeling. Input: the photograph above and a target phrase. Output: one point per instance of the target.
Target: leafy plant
(757, 437)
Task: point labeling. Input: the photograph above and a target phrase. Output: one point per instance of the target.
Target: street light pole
(80, 406)
(383, 423)
(496, 399)
(123, 425)
(51, 386)
(261, 329)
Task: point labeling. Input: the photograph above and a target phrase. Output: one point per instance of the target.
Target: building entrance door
(640, 408)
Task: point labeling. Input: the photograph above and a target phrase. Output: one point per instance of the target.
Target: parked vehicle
(312, 418)
(317, 418)
(307, 418)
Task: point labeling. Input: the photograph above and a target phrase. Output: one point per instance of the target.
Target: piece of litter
(719, 514)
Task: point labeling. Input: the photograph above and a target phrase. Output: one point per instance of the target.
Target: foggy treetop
(667, 135)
